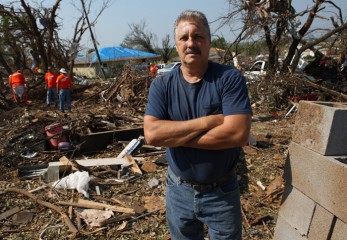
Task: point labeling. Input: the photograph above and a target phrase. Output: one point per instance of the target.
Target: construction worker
(17, 83)
(64, 83)
(50, 84)
(153, 70)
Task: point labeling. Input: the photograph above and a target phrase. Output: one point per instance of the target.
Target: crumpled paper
(94, 217)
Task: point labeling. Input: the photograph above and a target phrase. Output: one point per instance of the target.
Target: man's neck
(193, 73)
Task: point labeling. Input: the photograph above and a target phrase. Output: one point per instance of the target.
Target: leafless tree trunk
(46, 47)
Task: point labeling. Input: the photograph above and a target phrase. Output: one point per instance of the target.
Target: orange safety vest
(64, 81)
(153, 68)
(17, 79)
(51, 79)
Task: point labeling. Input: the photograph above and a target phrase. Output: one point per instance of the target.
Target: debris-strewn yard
(124, 200)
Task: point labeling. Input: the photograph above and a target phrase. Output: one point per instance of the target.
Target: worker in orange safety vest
(64, 83)
(153, 70)
(50, 83)
(17, 83)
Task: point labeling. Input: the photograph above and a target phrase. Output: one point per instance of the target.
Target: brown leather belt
(205, 187)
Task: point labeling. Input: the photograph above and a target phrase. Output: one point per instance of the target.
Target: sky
(113, 24)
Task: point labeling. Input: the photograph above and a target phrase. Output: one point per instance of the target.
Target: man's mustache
(192, 51)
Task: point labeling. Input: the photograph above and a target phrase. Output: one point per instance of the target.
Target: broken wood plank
(135, 168)
(38, 189)
(91, 162)
(9, 213)
(107, 206)
(81, 205)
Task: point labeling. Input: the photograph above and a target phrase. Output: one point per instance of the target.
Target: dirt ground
(35, 210)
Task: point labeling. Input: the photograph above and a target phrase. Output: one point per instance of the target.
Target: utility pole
(92, 36)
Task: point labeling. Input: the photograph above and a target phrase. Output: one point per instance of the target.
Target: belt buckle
(202, 188)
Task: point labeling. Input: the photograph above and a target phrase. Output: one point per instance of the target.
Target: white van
(167, 68)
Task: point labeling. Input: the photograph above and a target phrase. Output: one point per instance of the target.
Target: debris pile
(90, 174)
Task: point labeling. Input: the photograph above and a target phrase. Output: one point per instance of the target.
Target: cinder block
(321, 223)
(297, 210)
(340, 231)
(321, 178)
(283, 231)
(322, 127)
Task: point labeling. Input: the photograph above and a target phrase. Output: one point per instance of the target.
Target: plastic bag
(77, 180)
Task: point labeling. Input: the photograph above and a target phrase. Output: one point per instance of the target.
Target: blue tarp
(114, 54)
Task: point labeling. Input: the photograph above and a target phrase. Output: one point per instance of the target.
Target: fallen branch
(115, 219)
(324, 89)
(65, 217)
(245, 218)
(144, 215)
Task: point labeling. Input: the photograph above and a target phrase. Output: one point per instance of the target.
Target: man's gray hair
(191, 14)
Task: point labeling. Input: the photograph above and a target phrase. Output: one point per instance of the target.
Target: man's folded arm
(169, 133)
(234, 132)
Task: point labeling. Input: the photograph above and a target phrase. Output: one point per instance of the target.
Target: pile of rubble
(90, 174)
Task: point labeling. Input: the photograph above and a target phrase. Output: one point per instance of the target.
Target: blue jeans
(64, 97)
(50, 92)
(187, 210)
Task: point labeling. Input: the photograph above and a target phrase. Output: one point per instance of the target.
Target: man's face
(192, 42)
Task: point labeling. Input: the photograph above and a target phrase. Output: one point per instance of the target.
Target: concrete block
(283, 231)
(322, 127)
(340, 231)
(321, 223)
(321, 178)
(297, 210)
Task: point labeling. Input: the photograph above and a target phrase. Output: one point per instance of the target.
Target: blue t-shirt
(222, 90)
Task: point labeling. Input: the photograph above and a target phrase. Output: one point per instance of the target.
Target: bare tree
(336, 30)
(274, 21)
(20, 33)
(81, 27)
(139, 38)
(166, 49)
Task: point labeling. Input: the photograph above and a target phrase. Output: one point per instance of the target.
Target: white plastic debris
(77, 180)
(131, 147)
(261, 185)
(29, 155)
(153, 183)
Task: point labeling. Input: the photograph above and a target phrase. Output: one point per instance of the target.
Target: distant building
(113, 59)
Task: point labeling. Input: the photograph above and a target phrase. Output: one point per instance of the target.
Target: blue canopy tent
(115, 54)
(111, 58)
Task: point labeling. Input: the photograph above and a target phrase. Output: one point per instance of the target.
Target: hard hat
(63, 70)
